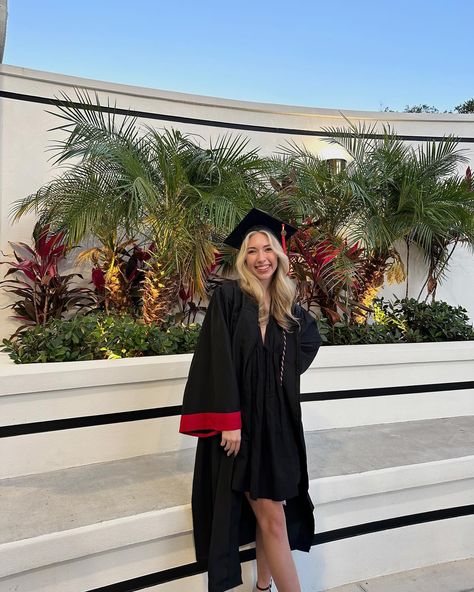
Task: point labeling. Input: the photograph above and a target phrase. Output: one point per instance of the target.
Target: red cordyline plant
(117, 273)
(468, 179)
(327, 271)
(188, 307)
(44, 293)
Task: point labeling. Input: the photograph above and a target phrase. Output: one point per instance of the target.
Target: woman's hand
(231, 441)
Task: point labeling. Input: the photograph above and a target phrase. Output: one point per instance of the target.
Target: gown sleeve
(309, 339)
(211, 401)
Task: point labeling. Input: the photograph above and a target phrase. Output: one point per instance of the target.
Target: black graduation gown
(226, 391)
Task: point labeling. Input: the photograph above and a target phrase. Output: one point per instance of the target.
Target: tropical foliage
(124, 183)
(404, 194)
(151, 209)
(42, 291)
(417, 321)
(389, 194)
(99, 336)
(96, 337)
(402, 321)
(326, 270)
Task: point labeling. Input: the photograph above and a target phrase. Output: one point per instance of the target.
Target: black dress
(235, 382)
(267, 464)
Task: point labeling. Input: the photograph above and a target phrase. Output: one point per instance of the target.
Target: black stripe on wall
(387, 391)
(191, 569)
(208, 122)
(155, 413)
(87, 421)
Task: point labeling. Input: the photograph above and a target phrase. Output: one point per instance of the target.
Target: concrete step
(454, 576)
(70, 498)
(135, 513)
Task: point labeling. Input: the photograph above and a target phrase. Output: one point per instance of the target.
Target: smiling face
(261, 259)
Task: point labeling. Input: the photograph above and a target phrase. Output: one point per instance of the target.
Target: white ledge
(339, 487)
(19, 556)
(54, 376)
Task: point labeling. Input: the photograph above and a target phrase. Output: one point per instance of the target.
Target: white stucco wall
(24, 139)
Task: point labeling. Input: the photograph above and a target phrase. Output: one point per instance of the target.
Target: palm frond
(90, 128)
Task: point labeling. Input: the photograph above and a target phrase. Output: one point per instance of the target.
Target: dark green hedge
(95, 337)
(403, 321)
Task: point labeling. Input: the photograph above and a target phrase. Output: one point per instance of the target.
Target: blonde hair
(282, 289)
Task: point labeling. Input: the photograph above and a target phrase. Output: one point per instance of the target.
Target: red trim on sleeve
(204, 425)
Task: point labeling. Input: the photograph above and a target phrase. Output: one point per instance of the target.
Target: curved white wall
(24, 139)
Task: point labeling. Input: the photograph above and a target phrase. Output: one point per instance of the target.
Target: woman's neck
(267, 298)
(266, 285)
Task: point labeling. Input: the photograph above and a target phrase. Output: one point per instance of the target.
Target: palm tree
(439, 250)
(125, 182)
(402, 193)
(325, 259)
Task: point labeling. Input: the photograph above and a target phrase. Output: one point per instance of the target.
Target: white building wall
(24, 140)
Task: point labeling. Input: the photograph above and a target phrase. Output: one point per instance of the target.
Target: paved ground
(76, 497)
(456, 576)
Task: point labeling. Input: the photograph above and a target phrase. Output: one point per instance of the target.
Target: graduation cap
(258, 220)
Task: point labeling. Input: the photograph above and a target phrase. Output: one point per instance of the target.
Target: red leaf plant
(43, 292)
(188, 308)
(327, 271)
(468, 179)
(117, 274)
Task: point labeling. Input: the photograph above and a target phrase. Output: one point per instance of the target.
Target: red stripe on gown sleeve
(209, 424)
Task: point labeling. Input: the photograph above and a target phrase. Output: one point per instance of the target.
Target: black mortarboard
(258, 220)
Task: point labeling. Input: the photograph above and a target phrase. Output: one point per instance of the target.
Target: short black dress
(268, 462)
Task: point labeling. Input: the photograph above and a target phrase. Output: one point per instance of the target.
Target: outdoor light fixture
(336, 165)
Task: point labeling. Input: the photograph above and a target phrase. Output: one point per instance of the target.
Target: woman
(241, 400)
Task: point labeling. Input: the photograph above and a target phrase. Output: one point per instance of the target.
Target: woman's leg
(263, 570)
(271, 520)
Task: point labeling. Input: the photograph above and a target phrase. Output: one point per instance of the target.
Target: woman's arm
(211, 402)
(309, 339)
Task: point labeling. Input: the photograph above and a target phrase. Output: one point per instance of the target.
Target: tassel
(283, 235)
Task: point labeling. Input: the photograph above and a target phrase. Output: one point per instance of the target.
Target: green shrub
(420, 322)
(344, 334)
(402, 321)
(95, 337)
(98, 336)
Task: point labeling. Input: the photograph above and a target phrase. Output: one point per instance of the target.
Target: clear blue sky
(359, 54)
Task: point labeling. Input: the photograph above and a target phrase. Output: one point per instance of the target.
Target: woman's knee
(271, 519)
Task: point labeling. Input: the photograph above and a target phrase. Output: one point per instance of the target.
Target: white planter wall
(43, 392)
(327, 565)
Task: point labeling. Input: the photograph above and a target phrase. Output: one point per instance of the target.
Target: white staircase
(106, 506)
